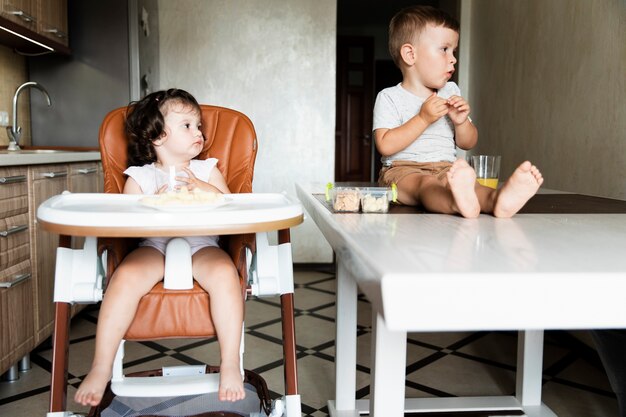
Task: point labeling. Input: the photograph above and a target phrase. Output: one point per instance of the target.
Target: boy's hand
(458, 110)
(433, 109)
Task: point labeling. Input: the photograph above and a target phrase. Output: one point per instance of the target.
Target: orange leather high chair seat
(230, 137)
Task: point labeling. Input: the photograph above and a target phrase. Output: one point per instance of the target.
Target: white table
(433, 272)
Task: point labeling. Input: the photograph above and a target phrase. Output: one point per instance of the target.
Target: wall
(273, 60)
(547, 84)
(85, 86)
(143, 35)
(13, 74)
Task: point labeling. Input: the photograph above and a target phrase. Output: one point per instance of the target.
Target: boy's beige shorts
(400, 169)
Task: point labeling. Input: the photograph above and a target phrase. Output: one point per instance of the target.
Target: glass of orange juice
(487, 169)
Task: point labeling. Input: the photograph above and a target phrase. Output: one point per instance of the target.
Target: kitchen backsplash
(13, 73)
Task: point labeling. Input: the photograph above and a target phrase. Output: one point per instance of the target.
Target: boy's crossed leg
(460, 194)
(517, 190)
(453, 194)
(462, 182)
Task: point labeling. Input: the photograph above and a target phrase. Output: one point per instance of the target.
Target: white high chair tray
(186, 208)
(123, 215)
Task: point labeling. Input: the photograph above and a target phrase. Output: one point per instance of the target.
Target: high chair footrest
(166, 386)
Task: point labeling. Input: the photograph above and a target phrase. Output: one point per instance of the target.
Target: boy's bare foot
(462, 179)
(231, 384)
(92, 388)
(517, 190)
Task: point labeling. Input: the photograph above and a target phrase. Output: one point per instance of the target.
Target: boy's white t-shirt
(395, 106)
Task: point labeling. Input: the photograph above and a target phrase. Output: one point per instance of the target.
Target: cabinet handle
(54, 174)
(16, 280)
(13, 179)
(13, 230)
(56, 32)
(87, 170)
(24, 16)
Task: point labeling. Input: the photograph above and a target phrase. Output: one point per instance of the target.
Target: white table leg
(529, 367)
(387, 370)
(345, 341)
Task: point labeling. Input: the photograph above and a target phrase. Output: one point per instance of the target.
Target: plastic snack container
(344, 199)
(376, 199)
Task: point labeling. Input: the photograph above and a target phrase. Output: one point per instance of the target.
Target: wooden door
(355, 93)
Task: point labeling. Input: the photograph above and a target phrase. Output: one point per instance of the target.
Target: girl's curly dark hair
(145, 122)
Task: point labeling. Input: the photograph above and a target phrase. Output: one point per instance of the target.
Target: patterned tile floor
(438, 364)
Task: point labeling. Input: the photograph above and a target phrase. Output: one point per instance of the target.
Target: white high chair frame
(79, 276)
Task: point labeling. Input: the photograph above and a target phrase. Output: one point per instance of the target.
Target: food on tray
(183, 197)
(346, 200)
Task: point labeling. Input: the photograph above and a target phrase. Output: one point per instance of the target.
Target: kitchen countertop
(45, 156)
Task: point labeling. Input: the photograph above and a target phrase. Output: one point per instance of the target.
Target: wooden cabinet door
(17, 324)
(47, 181)
(52, 20)
(84, 177)
(22, 12)
(16, 283)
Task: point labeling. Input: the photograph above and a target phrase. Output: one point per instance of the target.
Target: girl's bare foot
(231, 384)
(462, 179)
(92, 388)
(517, 190)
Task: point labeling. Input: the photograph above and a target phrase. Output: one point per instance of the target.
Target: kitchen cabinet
(16, 283)
(27, 253)
(33, 23)
(46, 181)
(52, 20)
(21, 12)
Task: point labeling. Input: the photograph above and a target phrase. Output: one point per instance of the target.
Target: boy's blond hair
(408, 23)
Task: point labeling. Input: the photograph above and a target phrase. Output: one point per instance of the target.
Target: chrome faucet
(15, 131)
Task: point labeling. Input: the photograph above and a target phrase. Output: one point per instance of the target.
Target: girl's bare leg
(134, 278)
(216, 273)
(517, 190)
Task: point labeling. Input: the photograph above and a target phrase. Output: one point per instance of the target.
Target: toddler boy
(419, 122)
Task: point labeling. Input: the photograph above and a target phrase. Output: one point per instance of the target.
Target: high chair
(264, 270)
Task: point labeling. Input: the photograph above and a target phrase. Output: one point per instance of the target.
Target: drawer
(85, 168)
(84, 177)
(43, 172)
(14, 240)
(17, 328)
(15, 275)
(13, 191)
